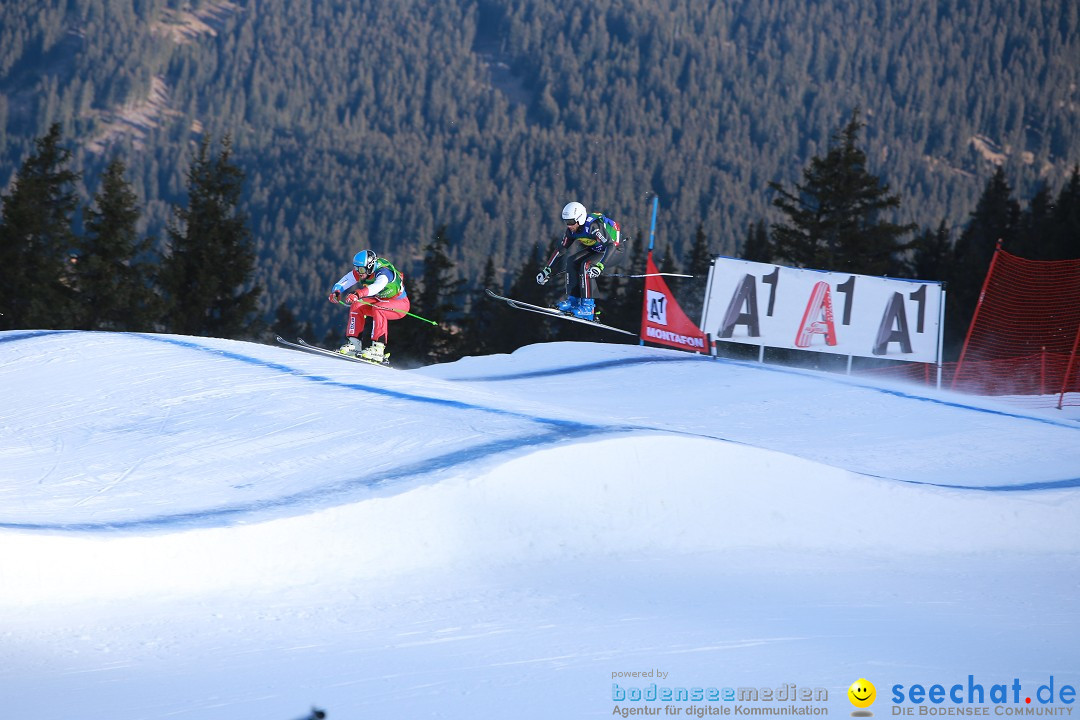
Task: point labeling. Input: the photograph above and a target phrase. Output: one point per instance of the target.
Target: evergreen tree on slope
(114, 272)
(996, 217)
(1063, 242)
(482, 321)
(207, 275)
(834, 217)
(36, 240)
(436, 293)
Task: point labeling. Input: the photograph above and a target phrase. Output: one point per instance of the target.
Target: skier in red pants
(378, 292)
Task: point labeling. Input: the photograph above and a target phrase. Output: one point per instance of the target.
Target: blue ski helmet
(364, 262)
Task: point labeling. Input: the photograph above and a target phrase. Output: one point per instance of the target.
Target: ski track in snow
(200, 528)
(549, 431)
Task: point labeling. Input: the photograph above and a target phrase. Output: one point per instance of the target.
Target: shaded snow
(206, 528)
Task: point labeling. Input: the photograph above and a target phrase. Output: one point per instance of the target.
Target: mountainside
(373, 124)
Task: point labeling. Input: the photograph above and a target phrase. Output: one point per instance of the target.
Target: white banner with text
(841, 313)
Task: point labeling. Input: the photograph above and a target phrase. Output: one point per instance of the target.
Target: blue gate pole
(652, 239)
(652, 228)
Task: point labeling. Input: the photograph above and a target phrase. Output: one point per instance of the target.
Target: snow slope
(205, 528)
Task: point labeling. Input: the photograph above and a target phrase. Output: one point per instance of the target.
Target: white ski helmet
(364, 262)
(574, 211)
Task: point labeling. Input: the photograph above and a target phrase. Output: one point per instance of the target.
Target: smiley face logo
(862, 693)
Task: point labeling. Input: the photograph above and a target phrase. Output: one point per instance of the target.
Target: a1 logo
(657, 304)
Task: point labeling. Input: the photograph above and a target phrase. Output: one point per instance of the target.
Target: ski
(552, 312)
(655, 274)
(302, 344)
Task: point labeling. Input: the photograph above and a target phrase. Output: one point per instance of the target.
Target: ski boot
(353, 347)
(567, 305)
(586, 309)
(375, 352)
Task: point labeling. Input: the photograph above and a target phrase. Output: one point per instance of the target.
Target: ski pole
(564, 272)
(430, 322)
(651, 275)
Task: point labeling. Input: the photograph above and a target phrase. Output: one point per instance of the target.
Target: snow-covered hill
(214, 529)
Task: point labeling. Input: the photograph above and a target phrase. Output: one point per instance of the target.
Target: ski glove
(335, 297)
(352, 298)
(543, 276)
(595, 270)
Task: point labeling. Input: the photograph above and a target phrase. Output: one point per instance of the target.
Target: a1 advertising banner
(662, 320)
(860, 315)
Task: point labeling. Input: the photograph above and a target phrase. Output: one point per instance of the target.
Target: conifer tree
(208, 273)
(700, 261)
(482, 322)
(287, 326)
(1063, 241)
(514, 330)
(996, 217)
(700, 255)
(932, 253)
(757, 247)
(114, 270)
(834, 216)
(666, 261)
(437, 299)
(1034, 229)
(36, 240)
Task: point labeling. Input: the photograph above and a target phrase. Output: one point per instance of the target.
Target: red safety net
(1023, 337)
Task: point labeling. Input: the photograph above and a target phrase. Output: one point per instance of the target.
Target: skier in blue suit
(597, 235)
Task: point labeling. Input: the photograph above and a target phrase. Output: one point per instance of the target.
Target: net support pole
(1068, 369)
(1042, 371)
(705, 303)
(975, 317)
(941, 335)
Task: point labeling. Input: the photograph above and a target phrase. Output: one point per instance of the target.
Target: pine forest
(447, 136)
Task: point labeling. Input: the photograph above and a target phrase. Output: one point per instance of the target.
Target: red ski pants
(378, 310)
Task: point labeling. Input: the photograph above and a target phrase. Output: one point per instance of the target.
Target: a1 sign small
(656, 307)
(840, 313)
